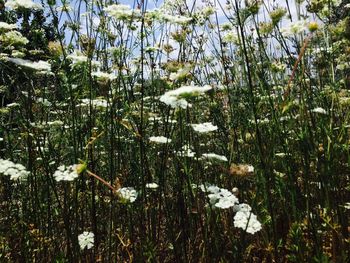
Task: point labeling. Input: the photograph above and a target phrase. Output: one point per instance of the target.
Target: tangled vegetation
(174, 131)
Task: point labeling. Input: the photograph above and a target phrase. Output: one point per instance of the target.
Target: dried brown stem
(301, 54)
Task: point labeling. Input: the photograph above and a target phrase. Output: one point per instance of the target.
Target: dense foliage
(174, 131)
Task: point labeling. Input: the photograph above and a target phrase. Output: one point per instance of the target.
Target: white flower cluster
(214, 156)
(343, 66)
(176, 19)
(245, 219)
(186, 151)
(28, 4)
(64, 8)
(15, 171)
(181, 73)
(204, 127)
(66, 173)
(220, 197)
(98, 102)
(79, 59)
(231, 37)
(103, 75)
(86, 240)
(294, 28)
(319, 110)
(122, 12)
(41, 66)
(6, 26)
(223, 199)
(127, 194)
(152, 185)
(347, 206)
(159, 139)
(13, 38)
(175, 98)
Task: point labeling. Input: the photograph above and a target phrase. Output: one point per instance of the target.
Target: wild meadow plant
(174, 131)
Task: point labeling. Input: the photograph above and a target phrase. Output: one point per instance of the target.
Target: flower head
(220, 197)
(159, 139)
(6, 26)
(214, 157)
(13, 38)
(66, 173)
(122, 12)
(15, 171)
(28, 4)
(152, 185)
(294, 28)
(127, 194)
(204, 127)
(86, 240)
(186, 151)
(176, 98)
(246, 220)
(319, 110)
(41, 66)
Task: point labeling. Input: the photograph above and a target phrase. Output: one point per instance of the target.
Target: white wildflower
(189, 91)
(209, 188)
(294, 28)
(28, 4)
(214, 156)
(242, 207)
(151, 49)
(223, 199)
(159, 139)
(220, 197)
(231, 37)
(174, 102)
(177, 19)
(122, 12)
(343, 66)
(186, 152)
(78, 59)
(103, 75)
(66, 7)
(44, 101)
(6, 26)
(204, 127)
(246, 220)
(152, 186)
(160, 119)
(15, 171)
(154, 14)
(86, 240)
(13, 105)
(260, 121)
(66, 173)
(127, 194)
(13, 38)
(175, 98)
(347, 205)
(41, 66)
(98, 102)
(181, 73)
(250, 168)
(18, 54)
(319, 110)
(56, 123)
